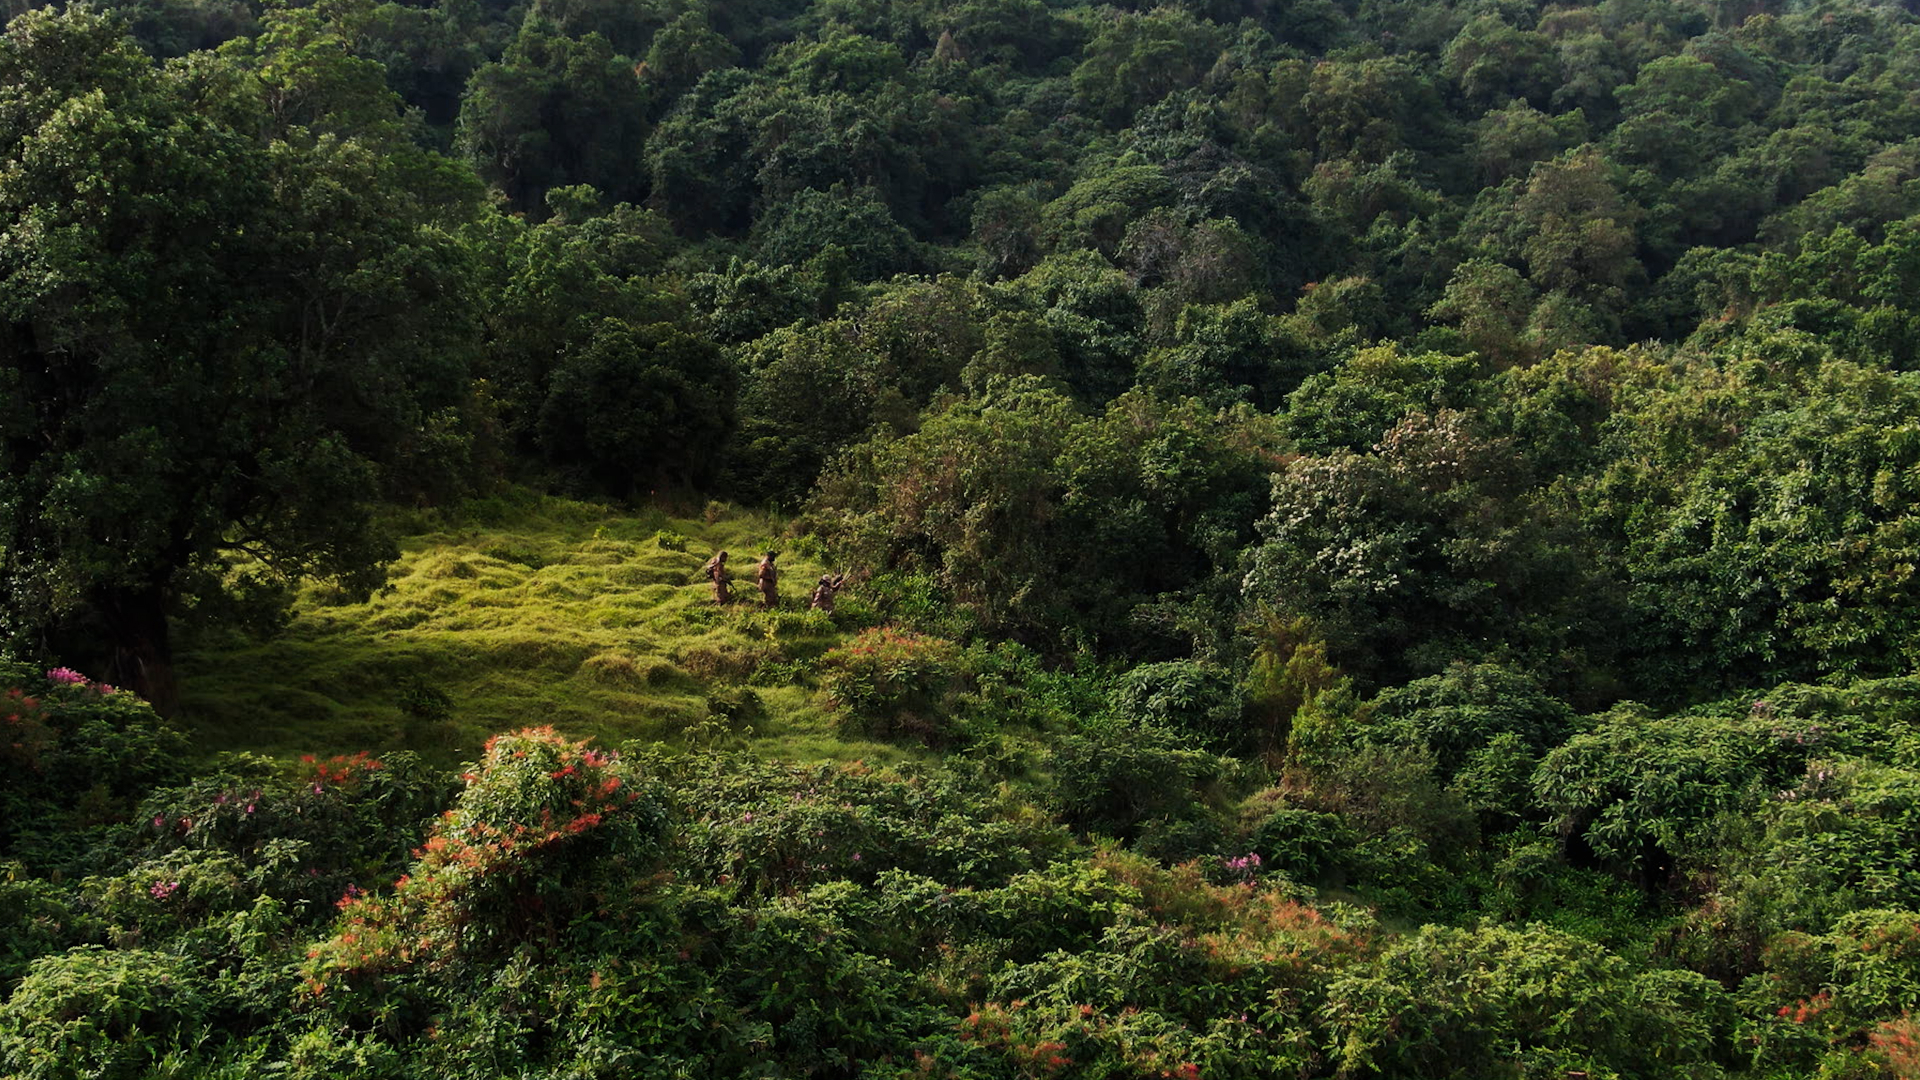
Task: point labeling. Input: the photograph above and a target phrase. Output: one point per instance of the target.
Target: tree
(856, 221)
(807, 393)
(1433, 548)
(1493, 63)
(1093, 313)
(968, 497)
(555, 111)
(1578, 230)
(640, 406)
(1123, 528)
(1790, 552)
(1355, 404)
(1137, 59)
(215, 341)
(547, 290)
(1490, 302)
(1222, 353)
(684, 50)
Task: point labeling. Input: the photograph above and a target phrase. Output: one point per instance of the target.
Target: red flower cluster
(1807, 1008)
(1899, 1042)
(23, 734)
(18, 703)
(341, 770)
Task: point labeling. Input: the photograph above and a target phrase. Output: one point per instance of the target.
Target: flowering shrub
(1833, 995)
(892, 682)
(1898, 1042)
(23, 730)
(75, 757)
(305, 836)
(341, 770)
(501, 865)
(1242, 868)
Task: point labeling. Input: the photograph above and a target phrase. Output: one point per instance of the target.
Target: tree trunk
(142, 659)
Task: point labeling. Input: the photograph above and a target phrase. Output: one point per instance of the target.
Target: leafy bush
(1465, 708)
(1198, 699)
(1640, 793)
(767, 828)
(98, 1012)
(892, 682)
(36, 918)
(1823, 998)
(75, 757)
(539, 820)
(338, 821)
(1116, 778)
(1305, 845)
(1497, 1002)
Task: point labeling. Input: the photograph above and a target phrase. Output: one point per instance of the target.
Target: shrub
(893, 682)
(100, 1013)
(1824, 992)
(1199, 699)
(768, 828)
(36, 918)
(540, 820)
(349, 818)
(1306, 846)
(75, 756)
(1486, 1002)
(1116, 778)
(1465, 709)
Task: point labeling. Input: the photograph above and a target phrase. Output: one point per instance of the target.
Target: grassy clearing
(538, 611)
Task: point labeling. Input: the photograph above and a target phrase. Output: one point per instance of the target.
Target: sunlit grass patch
(525, 610)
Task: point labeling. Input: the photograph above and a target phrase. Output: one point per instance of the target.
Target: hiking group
(767, 577)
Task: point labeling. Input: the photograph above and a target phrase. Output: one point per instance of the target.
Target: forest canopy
(1378, 539)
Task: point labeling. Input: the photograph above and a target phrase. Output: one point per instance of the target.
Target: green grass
(538, 611)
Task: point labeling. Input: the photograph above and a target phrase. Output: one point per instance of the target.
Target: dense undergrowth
(562, 910)
(1007, 869)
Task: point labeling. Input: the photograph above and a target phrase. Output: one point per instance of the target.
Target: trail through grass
(534, 610)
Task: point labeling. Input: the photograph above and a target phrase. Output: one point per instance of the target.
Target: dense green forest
(1382, 539)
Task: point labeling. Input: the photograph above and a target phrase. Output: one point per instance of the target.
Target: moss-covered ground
(529, 610)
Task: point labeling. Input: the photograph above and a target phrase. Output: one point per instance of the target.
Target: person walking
(716, 571)
(768, 577)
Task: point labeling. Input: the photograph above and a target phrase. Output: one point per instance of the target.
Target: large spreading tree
(227, 317)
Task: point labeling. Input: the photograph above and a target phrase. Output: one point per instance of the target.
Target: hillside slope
(530, 611)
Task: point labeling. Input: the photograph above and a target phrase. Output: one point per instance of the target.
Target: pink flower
(66, 676)
(161, 890)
